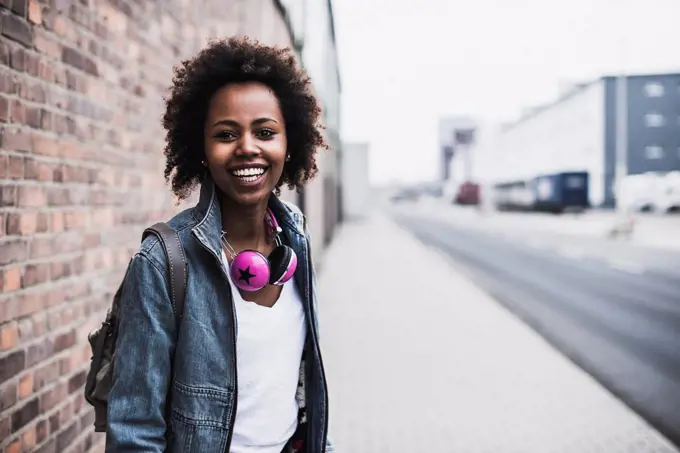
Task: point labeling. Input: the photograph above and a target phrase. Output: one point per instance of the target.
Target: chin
(247, 198)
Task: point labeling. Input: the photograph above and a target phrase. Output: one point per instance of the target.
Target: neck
(243, 223)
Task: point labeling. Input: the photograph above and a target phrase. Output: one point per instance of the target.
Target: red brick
(29, 303)
(41, 247)
(17, 29)
(14, 447)
(58, 196)
(7, 83)
(66, 437)
(53, 397)
(31, 197)
(8, 397)
(28, 439)
(12, 279)
(4, 110)
(17, 112)
(22, 223)
(5, 428)
(16, 140)
(58, 221)
(43, 222)
(12, 251)
(38, 170)
(15, 169)
(24, 415)
(41, 431)
(20, 7)
(35, 12)
(34, 274)
(25, 386)
(45, 146)
(4, 165)
(45, 375)
(75, 220)
(8, 336)
(11, 365)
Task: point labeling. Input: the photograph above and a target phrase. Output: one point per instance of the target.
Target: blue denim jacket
(177, 391)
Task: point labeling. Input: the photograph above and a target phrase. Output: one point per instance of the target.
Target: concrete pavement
(419, 359)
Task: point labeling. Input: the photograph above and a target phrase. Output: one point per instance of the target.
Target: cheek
(217, 152)
(277, 151)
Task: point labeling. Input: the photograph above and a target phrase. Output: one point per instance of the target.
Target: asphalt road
(613, 309)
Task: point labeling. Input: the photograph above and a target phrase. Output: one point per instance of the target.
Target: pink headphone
(250, 270)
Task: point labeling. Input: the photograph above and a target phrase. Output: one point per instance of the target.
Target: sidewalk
(420, 360)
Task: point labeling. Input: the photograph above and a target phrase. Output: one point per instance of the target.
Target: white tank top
(269, 346)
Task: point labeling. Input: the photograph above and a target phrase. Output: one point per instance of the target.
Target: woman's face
(245, 141)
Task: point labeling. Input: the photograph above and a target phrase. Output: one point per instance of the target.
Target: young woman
(243, 372)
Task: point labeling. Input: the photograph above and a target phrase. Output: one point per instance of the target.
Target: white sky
(406, 63)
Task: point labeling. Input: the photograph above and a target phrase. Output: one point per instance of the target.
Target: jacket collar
(208, 230)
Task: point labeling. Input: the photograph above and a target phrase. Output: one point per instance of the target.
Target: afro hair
(237, 60)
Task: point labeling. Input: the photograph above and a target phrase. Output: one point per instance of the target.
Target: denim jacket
(175, 390)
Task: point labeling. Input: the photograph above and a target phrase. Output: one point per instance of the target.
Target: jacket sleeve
(142, 364)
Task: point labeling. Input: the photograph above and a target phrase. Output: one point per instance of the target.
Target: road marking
(626, 266)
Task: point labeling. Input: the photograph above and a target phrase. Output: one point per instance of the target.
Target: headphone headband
(271, 222)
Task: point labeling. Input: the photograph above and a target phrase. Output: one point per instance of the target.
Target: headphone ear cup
(282, 263)
(250, 270)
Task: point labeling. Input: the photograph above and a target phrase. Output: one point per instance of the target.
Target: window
(653, 152)
(654, 89)
(655, 120)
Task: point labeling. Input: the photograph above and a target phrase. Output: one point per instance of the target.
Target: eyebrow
(236, 124)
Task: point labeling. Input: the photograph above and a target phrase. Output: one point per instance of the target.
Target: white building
(356, 188)
(313, 30)
(578, 132)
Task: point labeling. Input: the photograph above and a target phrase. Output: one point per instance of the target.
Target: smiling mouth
(249, 174)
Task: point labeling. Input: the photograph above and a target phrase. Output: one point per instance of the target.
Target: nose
(248, 146)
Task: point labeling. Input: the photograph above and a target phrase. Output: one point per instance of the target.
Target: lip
(244, 166)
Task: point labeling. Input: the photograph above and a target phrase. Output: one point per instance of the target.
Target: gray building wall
(646, 105)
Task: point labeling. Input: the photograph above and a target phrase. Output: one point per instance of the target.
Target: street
(613, 308)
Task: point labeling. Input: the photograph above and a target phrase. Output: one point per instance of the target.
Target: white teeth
(248, 174)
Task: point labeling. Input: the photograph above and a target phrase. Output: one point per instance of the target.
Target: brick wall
(81, 174)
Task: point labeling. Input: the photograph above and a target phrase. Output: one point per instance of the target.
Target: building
(578, 132)
(456, 140)
(81, 176)
(313, 28)
(356, 186)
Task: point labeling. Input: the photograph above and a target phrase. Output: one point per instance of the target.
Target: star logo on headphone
(245, 275)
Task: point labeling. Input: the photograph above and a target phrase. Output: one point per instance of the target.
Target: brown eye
(266, 133)
(225, 136)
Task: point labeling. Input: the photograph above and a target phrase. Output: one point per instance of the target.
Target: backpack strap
(177, 265)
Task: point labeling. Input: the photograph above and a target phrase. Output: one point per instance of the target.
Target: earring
(287, 157)
(204, 163)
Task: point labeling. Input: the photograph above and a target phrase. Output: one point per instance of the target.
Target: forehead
(248, 99)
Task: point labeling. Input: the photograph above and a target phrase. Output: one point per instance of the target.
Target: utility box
(356, 187)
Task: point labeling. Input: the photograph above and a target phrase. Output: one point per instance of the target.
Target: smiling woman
(242, 371)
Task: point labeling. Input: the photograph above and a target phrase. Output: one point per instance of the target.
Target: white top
(269, 348)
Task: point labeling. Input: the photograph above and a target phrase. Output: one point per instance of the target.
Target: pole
(621, 166)
(621, 160)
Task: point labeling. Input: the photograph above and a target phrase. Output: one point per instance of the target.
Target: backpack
(103, 339)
